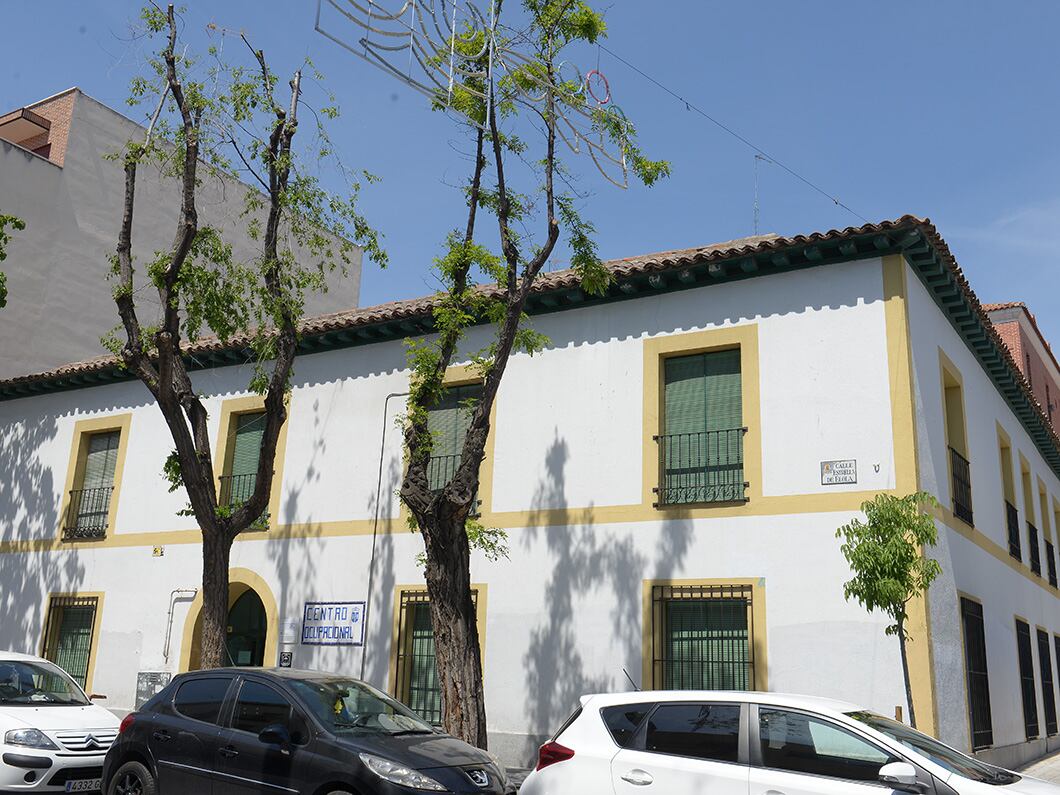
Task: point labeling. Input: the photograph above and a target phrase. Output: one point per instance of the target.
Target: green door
(247, 625)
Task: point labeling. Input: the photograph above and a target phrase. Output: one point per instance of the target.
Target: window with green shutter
(89, 510)
(448, 422)
(702, 637)
(417, 665)
(237, 485)
(701, 447)
(68, 633)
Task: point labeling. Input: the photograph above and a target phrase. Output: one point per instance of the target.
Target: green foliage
(16, 224)
(235, 108)
(172, 476)
(886, 554)
(490, 541)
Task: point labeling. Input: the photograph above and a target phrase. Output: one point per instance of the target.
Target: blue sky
(945, 109)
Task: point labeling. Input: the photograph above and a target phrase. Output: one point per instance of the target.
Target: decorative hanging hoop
(599, 79)
(568, 73)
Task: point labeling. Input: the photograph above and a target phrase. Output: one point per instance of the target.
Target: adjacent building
(56, 176)
(671, 471)
(1030, 350)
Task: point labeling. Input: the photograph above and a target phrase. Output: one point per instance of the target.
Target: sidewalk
(1047, 768)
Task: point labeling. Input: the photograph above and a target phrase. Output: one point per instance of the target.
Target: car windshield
(36, 684)
(347, 706)
(942, 755)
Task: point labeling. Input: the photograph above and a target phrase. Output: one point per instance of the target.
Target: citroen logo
(91, 742)
(479, 777)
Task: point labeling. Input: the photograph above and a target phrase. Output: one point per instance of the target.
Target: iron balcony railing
(236, 490)
(1036, 554)
(962, 486)
(704, 467)
(88, 513)
(1012, 516)
(441, 469)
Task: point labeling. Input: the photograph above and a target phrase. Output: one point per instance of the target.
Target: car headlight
(30, 738)
(399, 774)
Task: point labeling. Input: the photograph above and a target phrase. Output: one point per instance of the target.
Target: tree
(886, 554)
(479, 286)
(18, 225)
(207, 118)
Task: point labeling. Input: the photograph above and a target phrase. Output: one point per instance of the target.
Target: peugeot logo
(479, 777)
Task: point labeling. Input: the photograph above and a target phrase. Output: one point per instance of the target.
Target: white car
(720, 743)
(52, 737)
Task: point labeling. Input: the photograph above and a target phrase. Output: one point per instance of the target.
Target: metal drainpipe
(190, 592)
(375, 528)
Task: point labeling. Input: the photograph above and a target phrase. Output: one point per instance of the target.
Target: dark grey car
(240, 731)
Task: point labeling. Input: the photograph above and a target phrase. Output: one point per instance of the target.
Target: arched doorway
(252, 624)
(246, 630)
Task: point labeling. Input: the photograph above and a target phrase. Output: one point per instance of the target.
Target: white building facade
(671, 472)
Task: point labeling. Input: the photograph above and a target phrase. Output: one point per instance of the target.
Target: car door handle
(228, 752)
(638, 778)
(162, 736)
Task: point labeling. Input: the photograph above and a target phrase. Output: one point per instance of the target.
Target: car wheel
(132, 778)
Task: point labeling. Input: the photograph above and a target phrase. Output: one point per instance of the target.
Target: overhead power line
(724, 127)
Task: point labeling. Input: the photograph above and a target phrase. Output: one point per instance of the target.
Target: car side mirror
(276, 734)
(901, 776)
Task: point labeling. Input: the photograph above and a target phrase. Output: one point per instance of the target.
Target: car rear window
(201, 699)
(700, 731)
(623, 721)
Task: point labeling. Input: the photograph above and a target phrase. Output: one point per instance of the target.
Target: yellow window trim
(656, 349)
(759, 645)
(240, 581)
(1030, 513)
(226, 438)
(948, 371)
(97, 624)
(75, 469)
(481, 598)
(1043, 503)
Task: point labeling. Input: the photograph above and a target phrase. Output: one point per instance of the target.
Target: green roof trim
(916, 239)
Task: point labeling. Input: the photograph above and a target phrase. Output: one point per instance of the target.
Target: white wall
(968, 569)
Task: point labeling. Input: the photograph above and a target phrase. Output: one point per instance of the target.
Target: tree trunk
(216, 551)
(455, 625)
(905, 674)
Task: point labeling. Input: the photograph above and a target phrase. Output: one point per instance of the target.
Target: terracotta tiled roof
(917, 237)
(1004, 305)
(420, 308)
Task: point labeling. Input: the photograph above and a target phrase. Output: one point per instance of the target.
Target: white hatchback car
(52, 737)
(720, 743)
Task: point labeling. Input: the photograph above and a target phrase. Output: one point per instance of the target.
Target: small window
(803, 744)
(1026, 663)
(1045, 662)
(259, 706)
(68, 633)
(624, 720)
(701, 445)
(699, 731)
(237, 484)
(448, 421)
(417, 685)
(703, 637)
(201, 699)
(977, 675)
(88, 513)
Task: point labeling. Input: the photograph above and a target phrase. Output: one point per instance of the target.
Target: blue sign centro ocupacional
(333, 624)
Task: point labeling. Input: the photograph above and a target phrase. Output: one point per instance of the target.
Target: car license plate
(85, 785)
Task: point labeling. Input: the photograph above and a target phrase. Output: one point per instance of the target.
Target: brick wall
(59, 110)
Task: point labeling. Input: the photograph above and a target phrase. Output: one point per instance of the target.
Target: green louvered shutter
(92, 504)
(448, 422)
(424, 689)
(702, 445)
(245, 456)
(707, 645)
